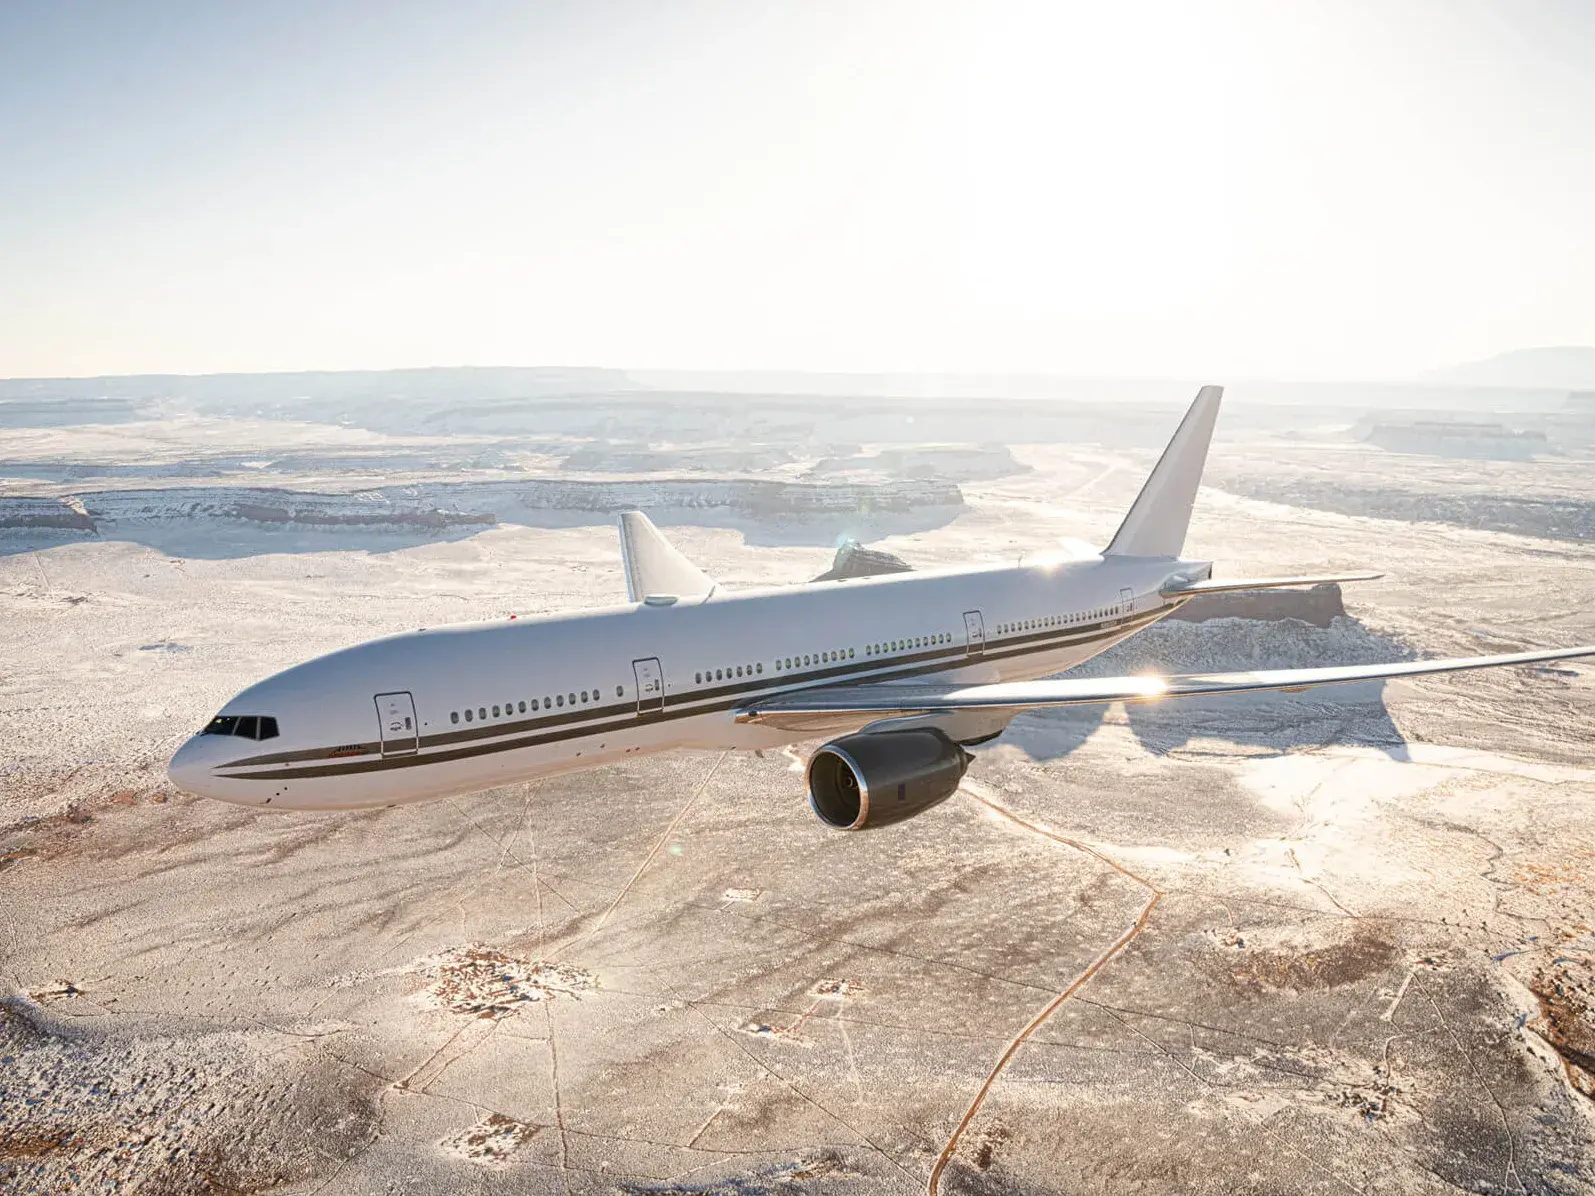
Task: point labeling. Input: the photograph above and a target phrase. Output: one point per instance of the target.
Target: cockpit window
(245, 726)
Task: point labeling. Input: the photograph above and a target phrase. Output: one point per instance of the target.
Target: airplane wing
(801, 709)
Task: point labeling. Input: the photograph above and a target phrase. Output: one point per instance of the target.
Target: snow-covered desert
(1324, 943)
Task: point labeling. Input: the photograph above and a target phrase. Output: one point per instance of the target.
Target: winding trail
(1124, 940)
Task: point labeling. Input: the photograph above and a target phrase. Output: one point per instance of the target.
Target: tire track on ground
(1079, 982)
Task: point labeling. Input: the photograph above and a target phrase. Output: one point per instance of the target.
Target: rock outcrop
(1320, 606)
(854, 560)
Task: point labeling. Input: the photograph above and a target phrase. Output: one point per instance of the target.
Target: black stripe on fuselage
(709, 701)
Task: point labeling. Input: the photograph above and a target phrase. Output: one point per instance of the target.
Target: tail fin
(1161, 514)
(654, 565)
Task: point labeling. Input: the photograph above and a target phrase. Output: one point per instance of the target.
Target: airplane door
(974, 633)
(401, 735)
(650, 685)
(1126, 601)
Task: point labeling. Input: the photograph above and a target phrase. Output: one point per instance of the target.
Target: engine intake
(876, 778)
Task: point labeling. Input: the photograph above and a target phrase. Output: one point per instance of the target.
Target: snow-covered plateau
(472, 504)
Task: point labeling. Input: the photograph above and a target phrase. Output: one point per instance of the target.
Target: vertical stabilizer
(653, 564)
(1158, 520)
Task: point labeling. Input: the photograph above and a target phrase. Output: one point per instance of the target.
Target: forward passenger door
(398, 728)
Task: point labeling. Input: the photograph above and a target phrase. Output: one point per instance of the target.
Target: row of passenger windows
(831, 656)
(908, 645)
(1084, 616)
(729, 673)
(244, 726)
(783, 663)
(811, 659)
(531, 705)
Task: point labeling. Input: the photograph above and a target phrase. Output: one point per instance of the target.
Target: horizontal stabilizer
(653, 564)
(1176, 587)
(796, 710)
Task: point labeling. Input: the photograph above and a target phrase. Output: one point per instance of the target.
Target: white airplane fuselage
(453, 710)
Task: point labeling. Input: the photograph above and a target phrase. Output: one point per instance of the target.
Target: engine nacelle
(871, 779)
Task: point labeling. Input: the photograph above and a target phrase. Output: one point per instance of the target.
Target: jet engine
(873, 778)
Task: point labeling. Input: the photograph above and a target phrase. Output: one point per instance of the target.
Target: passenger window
(759, 668)
(467, 715)
(454, 716)
(495, 712)
(572, 699)
(560, 700)
(697, 678)
(620, 691)
(523, 706)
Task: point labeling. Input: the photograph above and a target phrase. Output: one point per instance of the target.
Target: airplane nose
(193, 770)
(188, 770)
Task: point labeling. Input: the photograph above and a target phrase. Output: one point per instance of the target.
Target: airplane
(899, 673)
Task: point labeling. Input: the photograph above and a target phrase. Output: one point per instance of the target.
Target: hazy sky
(1298, 188)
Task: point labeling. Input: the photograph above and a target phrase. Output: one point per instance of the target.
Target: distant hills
(473, 381)
(1565, 367)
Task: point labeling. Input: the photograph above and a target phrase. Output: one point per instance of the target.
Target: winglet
(1161, 514)
(653, 565)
